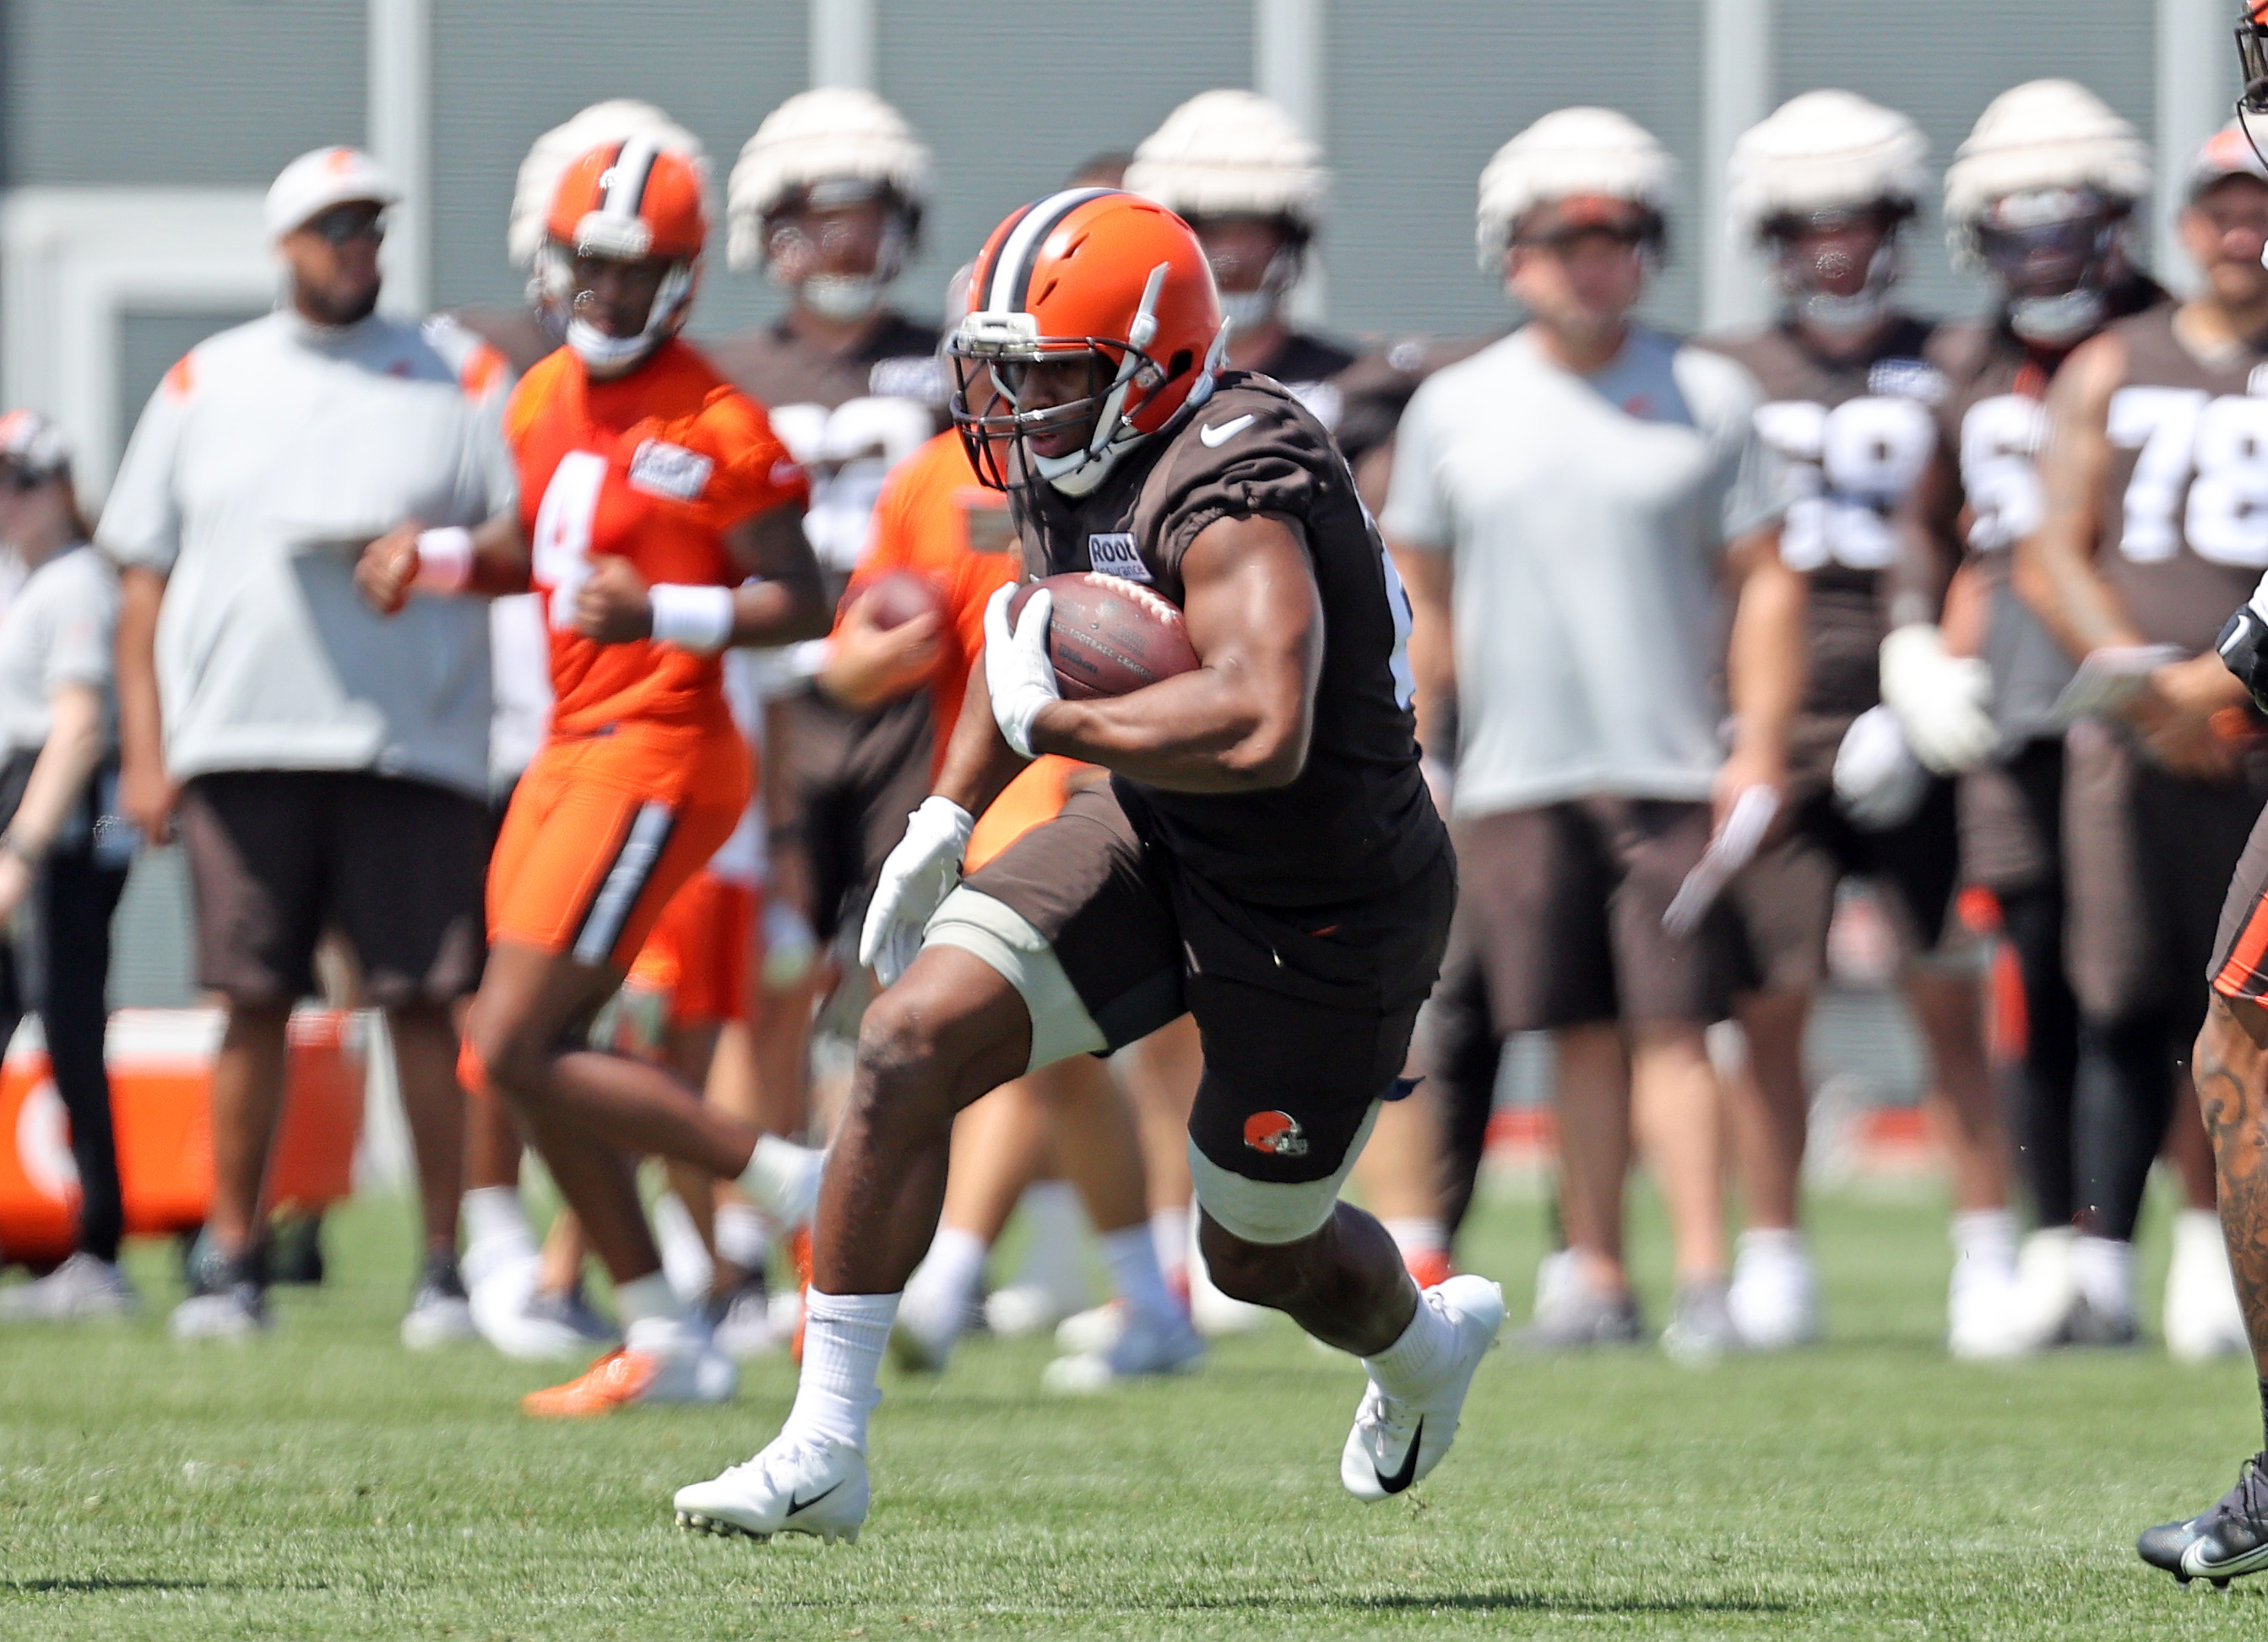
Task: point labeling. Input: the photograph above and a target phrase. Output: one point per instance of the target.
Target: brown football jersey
(2183, 535)
(848, 418)
(1357, 821)
(1853, 434)
(1305, 363)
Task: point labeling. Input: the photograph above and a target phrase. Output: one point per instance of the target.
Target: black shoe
(295, 1249)
(2229, 1539)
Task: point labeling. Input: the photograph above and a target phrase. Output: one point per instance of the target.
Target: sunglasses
(343, 225)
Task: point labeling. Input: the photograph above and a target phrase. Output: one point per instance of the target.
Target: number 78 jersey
(2183, 530)
(654, 468)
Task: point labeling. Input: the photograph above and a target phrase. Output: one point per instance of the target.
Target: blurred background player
(2148, 539)
(827, 200)
(523, 1305)
(2038, 197)
(636, 546)
(1587, 476)
(1825, 188)
(330, 769)
(63, 849)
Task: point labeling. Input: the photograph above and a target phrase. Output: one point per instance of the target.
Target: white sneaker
(236, 1313)
(1774, 1297)
(1096, 1329)
(439, 1314)
(792, 1487)
(85, 1286)
(1396, 1442)
(922, 1338)
(2047, 1289)
(2203, 1319)
(501, 1306)
(1147, 1345)
(1985, 1317)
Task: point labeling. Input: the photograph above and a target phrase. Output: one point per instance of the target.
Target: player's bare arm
(2054, 570)
(144, 790)
(1764, 665)
(781, 602)
(1240, 722)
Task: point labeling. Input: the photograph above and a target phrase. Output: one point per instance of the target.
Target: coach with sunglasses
(326, 770)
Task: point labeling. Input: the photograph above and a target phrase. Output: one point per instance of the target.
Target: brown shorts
(1786, 898)
(1305, 1012)
(2148, 863)
(1562, 906)
(2240, 948)
(2011, 819)
(393, 866)
(846, 783)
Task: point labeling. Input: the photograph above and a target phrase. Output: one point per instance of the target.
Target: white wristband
(699, 619)
(445, 560)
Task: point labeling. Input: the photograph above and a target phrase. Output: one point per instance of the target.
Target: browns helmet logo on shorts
(1279, 1134)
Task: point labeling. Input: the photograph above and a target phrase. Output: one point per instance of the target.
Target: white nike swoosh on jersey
(1215, 438)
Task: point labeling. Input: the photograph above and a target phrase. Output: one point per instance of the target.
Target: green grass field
(326, 1485)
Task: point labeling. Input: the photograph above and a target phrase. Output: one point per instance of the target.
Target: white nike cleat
(792, 1487)
(1147, 1345)
(1397, 1442)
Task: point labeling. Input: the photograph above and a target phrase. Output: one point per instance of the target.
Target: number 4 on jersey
(560, 554)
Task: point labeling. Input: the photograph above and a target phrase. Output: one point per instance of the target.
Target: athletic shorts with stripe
(2240, 954)
(603, 829)
(1305, 1012)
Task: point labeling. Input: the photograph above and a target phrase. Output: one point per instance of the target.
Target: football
(1109, 635)
(898, 598)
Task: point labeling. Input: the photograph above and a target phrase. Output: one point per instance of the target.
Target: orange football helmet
(1093, 277)
(626, 201)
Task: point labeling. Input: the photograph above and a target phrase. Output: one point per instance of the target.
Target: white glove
(1877, 778)
(915, 880)
(1939, 699)
(1017, 669)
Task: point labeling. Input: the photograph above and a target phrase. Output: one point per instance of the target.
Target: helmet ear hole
(1182, 360)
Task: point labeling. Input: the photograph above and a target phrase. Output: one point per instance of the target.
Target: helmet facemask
(1251, 296)
(821, 225)
(2056, 253)
(564, 297)
(1816, 281)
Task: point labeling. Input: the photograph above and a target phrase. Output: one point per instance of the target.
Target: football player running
(1264, 857)
(1825, 186)
(662, 521)
(2038, 197)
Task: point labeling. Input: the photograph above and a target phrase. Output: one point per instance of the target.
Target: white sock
(1987, 1239)
(496, 1232)
(744, 1235)
(2104, 1268)
(843, 1339)
(939, 1294)
(1056, 1232)
(783, 1178)
(1134, 1275)
(1169, 1235)
(1412, 1366)
(646, 1298)
(1416, 1235)
(684, 1256)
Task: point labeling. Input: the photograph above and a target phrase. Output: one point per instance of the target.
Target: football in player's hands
(1108, 635)
(895, 598)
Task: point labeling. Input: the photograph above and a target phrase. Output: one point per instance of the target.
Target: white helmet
(1232, 152)
(835, 135)
(2041, 194)
(1825, 151)
(2044, 134)
(1567, 152)
(617, 120)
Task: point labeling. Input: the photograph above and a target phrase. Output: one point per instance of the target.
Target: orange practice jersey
(935, 519)
(654, 468)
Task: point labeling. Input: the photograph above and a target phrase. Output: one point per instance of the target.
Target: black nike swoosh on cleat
(795, 1505)
(1407, 1473)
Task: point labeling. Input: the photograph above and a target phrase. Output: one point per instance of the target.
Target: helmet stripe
(1011, 286)
(626, 178)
